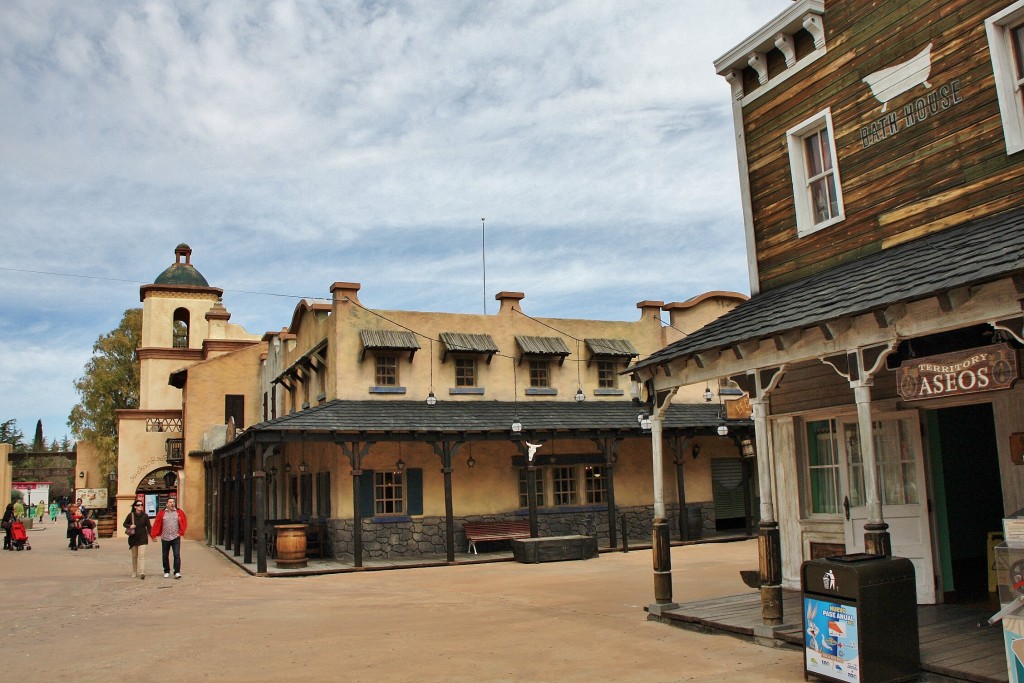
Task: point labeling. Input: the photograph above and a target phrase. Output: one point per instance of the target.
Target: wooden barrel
(105, 526)
(291, 545)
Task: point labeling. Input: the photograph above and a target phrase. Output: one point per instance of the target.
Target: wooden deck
(956, 641)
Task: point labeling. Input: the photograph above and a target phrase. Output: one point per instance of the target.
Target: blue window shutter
(366, 493)
(414, 479)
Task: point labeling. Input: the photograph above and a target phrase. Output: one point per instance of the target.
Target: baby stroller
(19, 539)
(89, 534)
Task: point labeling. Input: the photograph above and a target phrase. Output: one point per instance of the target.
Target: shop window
(385, 493)
(817, 192)
(1005, 32)
(563, 486)
(595, 484)
(524, 488)
(823, 467)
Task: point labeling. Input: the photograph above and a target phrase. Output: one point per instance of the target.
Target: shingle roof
(447, 417)
(975, 252)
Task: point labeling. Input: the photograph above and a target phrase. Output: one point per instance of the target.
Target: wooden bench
(494, 531)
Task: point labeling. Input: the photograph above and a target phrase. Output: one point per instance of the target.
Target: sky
(296, 144)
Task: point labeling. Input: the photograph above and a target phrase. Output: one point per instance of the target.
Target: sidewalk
(79, 614)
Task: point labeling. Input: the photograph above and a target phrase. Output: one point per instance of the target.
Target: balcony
(175, 450)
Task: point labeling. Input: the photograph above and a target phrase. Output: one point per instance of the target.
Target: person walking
(19, 509)
(170, 526)
(54, 509)
(8, 520)
(41, 510)
(138, 527)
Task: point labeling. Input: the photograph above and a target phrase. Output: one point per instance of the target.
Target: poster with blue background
(831, 646)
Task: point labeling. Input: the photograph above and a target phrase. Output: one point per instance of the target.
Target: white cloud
(294, 144)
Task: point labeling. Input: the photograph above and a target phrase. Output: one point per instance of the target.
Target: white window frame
(1009, 87)
(795, 137)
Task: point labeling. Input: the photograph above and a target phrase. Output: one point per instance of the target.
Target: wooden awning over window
(394, 340)
(458, 342)
(610, 349)
(542, 347)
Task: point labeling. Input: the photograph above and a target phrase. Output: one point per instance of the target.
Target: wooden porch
(956, 641)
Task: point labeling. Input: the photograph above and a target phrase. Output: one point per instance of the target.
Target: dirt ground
(80, 616)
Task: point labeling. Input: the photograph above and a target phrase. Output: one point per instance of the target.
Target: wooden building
(881, 159)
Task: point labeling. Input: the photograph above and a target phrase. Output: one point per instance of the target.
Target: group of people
(18, 511)
(79, 520)
(169, 526)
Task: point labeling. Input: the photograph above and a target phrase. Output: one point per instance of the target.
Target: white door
(901, 480)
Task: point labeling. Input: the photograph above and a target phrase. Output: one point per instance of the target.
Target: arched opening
(181, 327)
(156, 487)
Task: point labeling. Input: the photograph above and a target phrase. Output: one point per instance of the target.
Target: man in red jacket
(170, 526)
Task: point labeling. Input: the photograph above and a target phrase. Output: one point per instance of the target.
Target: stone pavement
(80, 615)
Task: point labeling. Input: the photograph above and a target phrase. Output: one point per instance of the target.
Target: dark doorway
(973, 494)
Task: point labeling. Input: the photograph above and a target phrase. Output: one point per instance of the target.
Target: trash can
(1009, 565)
(860, 619)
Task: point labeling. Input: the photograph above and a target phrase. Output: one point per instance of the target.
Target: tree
(39, 443)
(110, 383)
(9, 433)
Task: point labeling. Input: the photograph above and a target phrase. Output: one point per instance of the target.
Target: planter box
(554, 549)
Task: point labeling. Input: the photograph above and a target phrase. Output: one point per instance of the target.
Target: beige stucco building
(343, 414)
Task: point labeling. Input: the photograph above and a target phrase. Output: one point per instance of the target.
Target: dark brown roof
(376, 420)
(973, 253)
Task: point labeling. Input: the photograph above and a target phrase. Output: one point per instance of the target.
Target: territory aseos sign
(985, 368)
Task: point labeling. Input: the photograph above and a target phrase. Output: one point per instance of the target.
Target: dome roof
(182, 272)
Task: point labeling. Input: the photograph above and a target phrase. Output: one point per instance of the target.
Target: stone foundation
(410, 537)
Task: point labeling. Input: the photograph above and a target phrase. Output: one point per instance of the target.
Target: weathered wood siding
(814, 385)
(929, 175)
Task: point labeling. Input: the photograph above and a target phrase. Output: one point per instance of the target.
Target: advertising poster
(151, 504)
(831, 645)
(1013, 638)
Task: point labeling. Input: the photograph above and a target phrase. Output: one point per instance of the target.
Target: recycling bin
(860, 619)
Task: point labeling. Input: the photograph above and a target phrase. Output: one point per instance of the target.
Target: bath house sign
(985, 368)
(892, 81)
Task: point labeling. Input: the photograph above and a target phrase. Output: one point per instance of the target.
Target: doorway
(965, 471)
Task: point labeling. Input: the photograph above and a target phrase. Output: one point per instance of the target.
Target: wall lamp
(645, 421)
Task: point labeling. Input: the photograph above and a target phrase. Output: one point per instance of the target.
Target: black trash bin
(860, 619)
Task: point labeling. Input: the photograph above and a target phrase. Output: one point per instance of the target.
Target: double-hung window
(465, 372)
(1005, 32)
(817, 192)
(386, 370)
(540, 374)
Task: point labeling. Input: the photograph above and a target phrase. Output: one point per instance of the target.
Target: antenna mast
(483, 258)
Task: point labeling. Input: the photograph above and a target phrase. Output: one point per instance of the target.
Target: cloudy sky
(295, 144)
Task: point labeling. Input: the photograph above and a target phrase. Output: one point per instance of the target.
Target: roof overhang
(970, 274)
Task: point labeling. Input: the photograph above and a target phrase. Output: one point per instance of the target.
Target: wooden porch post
(239, 504)
(355, 453)
(678, 445)
(769, 542)
(247, 521)
(662, 555)
(260, 484)
(877, 540)
(609, 448)
(446, 450)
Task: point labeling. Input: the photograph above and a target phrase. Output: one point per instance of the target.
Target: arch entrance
(156, 487)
